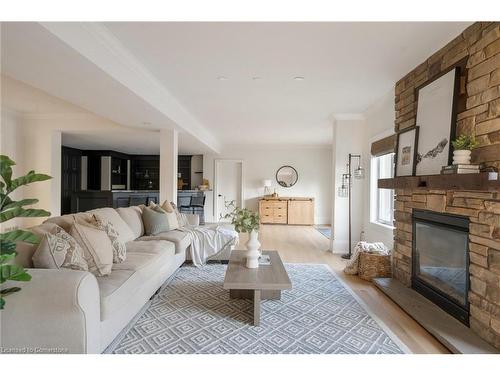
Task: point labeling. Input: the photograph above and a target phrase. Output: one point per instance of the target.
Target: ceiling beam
(97, 44)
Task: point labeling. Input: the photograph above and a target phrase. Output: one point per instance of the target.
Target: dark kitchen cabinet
(71, 172)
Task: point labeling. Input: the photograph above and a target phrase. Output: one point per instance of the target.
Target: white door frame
(216, 176)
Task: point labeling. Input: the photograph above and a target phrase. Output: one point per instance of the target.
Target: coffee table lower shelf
(257, 284)
(257, 296)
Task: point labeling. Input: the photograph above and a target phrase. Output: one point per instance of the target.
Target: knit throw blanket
(376, 247)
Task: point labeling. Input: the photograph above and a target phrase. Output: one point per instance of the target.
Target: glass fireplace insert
(440, 261)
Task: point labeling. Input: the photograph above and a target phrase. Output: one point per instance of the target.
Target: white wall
(313, 164)
(10, 138)
(348, 138)
(379, 119)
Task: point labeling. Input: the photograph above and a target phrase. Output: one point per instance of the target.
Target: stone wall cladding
(477, 51)
(483, 211)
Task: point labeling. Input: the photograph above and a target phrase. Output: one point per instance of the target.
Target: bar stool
(196, 205)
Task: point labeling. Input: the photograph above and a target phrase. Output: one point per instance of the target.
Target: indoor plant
(462, 149)
(10, 209)
(246, 221)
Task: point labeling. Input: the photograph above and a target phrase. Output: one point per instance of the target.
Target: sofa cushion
(57, 250)
(66, 221)
(144, 261)
(133, 217)
(110, 214)
(97, 247)
(151, 246)
(115, 290)
(181, 240)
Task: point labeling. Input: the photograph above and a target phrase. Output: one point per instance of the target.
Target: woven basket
(374, 265)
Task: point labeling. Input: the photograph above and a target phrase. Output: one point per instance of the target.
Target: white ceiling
(347, 66)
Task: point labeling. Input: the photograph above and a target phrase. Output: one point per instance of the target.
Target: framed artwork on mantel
(406, 152)
(436, 118)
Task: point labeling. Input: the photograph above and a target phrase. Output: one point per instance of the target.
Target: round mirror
(287, 176)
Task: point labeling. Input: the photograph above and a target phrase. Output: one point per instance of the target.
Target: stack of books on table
(460, 169)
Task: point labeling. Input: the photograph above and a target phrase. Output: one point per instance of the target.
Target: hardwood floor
(304, 244)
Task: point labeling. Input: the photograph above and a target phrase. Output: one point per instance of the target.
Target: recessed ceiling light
(222, 78)
(298, 78)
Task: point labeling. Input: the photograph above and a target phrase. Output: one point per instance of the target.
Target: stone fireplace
(477, 51)
(482, 210)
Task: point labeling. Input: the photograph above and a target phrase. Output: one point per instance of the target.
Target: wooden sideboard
(287, 210)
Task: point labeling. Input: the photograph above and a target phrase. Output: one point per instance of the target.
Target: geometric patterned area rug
(193, 314)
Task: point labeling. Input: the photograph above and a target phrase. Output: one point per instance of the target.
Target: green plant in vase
(463, 146)
(465, 142)
(246, 221)
(10, 209)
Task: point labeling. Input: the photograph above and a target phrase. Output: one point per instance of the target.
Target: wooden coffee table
(265, 282)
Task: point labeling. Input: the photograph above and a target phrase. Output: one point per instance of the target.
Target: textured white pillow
(97, 247)
(119, 249)
(57, 249)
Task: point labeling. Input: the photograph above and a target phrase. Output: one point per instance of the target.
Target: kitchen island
(85, 200)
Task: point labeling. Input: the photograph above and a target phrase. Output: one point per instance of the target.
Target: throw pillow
(97, 247)
(181, 218)
(155, 220)
(173, 223)
(57, 249)
(119, 249)
(167, 207)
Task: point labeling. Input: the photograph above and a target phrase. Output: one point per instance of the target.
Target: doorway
(228, 186)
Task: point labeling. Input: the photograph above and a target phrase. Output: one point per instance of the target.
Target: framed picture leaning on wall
(406, 152)
(436, 118)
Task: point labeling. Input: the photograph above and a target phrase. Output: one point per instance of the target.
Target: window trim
(374, 194)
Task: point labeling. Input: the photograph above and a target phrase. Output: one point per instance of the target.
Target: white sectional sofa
(76, 312)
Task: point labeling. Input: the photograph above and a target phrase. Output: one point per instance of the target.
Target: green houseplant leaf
(21, 203)
(6, 169)
(27, 179)
(7, 247)
(22, 212)
(10, 209)
(19, 235)
(13, 272)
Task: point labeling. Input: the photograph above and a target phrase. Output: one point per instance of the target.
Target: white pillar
(168, 164)
(334, 174)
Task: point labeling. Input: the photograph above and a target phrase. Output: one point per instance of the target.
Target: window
(382, 200)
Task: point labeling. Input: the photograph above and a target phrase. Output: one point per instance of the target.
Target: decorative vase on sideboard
(253, 254)
(461, 156)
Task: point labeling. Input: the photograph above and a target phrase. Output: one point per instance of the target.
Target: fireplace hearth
(440, 257)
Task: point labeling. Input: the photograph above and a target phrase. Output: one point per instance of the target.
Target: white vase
(461, 156)
(253, 253)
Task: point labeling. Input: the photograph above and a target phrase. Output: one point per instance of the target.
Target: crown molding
(96, 43)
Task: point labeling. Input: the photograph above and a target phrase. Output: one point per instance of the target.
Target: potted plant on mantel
(246, 221)
(10, 209)
(463, 146)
